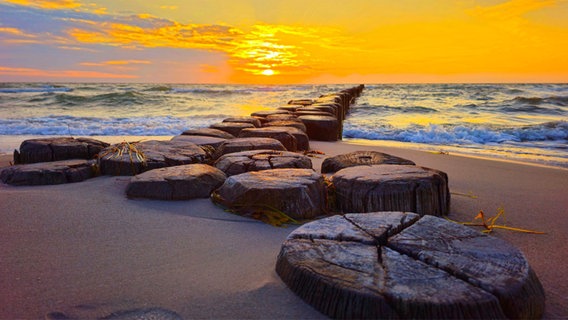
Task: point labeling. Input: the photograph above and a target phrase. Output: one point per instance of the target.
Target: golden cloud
(265, 47)
(47, 4)
(39, 73)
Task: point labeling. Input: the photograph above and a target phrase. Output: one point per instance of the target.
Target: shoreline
(86, 250)
(9, 143)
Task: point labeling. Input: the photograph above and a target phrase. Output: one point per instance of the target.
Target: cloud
(47, 4)
(115, 62)
(511, 9)
(39, 73)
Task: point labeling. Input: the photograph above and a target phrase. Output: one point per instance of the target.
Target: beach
(85, 250)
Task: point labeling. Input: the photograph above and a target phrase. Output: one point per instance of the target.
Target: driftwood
(245, 144)
(209, 132)
(298, 193)
(48, 173)
(257, 160)
(392, 265)
(234, 128)
(55, 149)
(360, 158)
(392, 188)
(176, 183)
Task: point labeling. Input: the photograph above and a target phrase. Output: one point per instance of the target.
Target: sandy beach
(85, 250)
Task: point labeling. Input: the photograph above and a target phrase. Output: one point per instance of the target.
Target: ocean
(523, 122)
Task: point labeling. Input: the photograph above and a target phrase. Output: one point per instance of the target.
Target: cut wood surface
(257, 160)
(372, 266)
(209, 132)
(200, 140)
(252, 120)
(245, 144)
(48, 173)
(176, 183)
(391, 188)
(59, 148)
(234, 128)
(298, 193)
(360, 158)
(122, 161)
(282, 135)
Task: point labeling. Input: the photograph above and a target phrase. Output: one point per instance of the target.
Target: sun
(268, 72)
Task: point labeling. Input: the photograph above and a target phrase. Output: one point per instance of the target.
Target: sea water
(526, 122)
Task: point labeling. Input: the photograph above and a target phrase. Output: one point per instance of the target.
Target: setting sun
(268, 72)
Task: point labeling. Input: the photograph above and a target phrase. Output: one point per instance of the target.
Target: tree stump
(360, 158)
(287, 123)
(301, 102)
(287, 139)
(48, 173)
(323, 128)
(234, 128)
(200, 140)
(320, 108)
(176, 183)
(245, 144)
(391, 188)
(313, 113)
(264, 114)
(257, 160)
(252, 120)
(121, 161)
(299, 193)
(209, 132)
(55, 149)
(395, 265)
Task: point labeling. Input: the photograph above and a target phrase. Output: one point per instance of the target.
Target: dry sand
(85, 250)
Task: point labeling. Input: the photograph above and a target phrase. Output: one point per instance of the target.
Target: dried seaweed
(489, 224)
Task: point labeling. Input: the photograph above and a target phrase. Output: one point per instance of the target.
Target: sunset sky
(284, 41)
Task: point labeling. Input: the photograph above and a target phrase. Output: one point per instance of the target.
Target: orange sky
(287, 41)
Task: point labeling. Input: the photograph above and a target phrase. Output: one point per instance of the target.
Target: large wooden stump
(245, 144)
(208, 132)
(287, 123)
(48, 173)
(323, 128)
(395, 265)
(299, 193)
(176, 183)
(257, 160)
(392, 188)
(360, 158)
(252, 120)
(56, 149)
(200, 140)
(123, 161)
(234, 128)
(287, 140)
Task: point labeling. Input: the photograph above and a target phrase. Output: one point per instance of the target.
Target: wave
(95, 126)
(437, 134)
(43, 89)
(108, 99)
(366, 108)
(555, 100)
